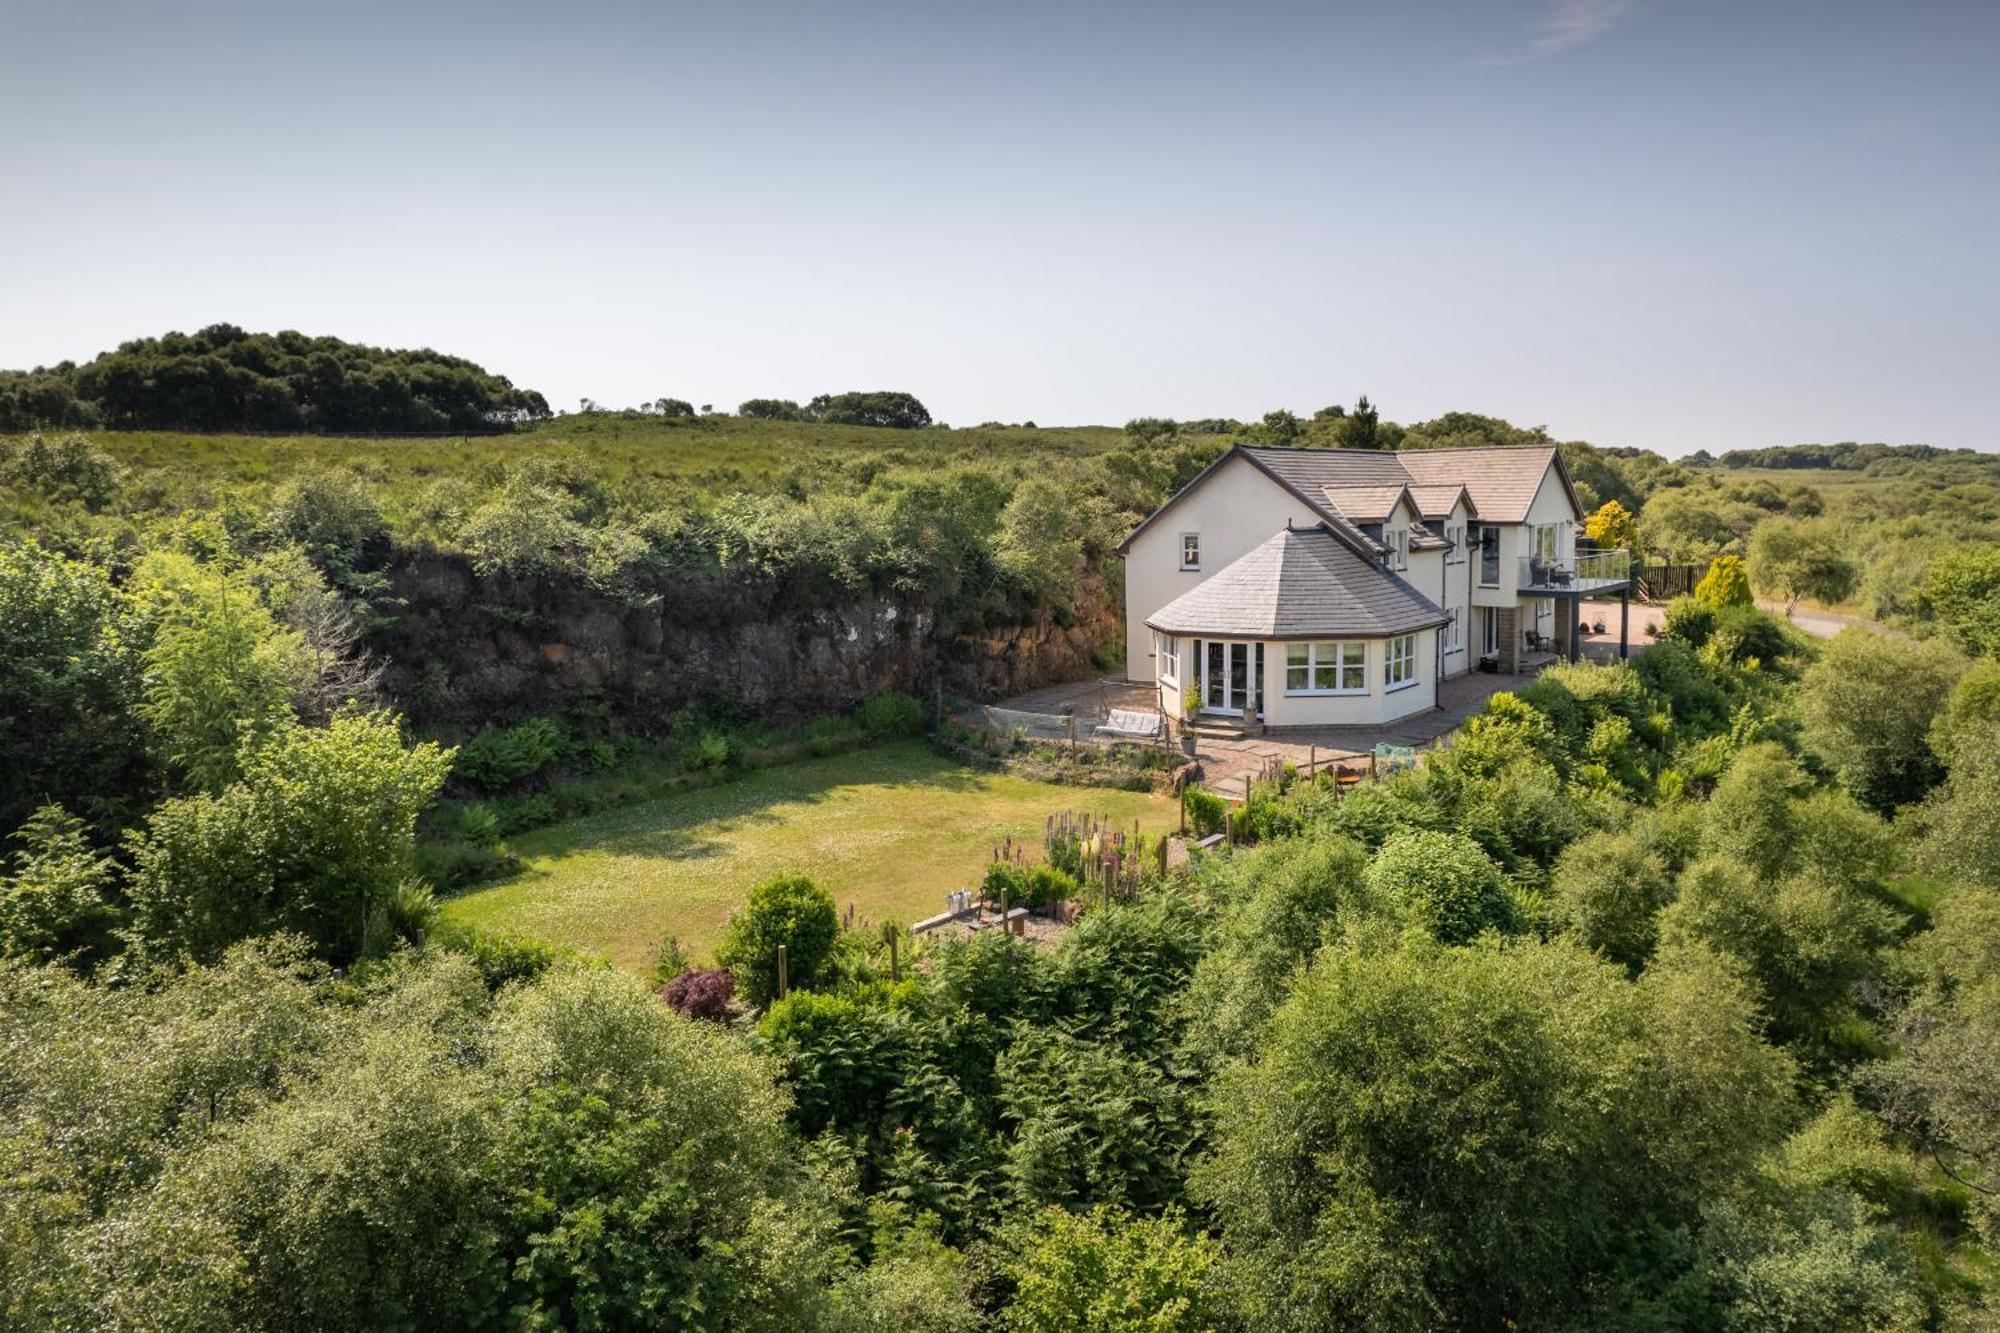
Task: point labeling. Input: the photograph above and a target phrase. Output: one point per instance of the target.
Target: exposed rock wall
(466, 650)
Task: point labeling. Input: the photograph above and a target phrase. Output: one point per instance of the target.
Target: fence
(1662, 583)
(1070, 728)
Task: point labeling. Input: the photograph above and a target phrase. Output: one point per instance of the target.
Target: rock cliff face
(466, 650)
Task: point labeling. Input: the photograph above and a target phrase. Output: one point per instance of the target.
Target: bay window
(1326, 668)
(1399, 665)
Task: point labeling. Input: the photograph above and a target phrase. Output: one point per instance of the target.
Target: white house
(1314, 587)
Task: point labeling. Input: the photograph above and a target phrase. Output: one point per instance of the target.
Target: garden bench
(1134, 724)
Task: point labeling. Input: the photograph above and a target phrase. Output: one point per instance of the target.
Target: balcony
(1587, 574)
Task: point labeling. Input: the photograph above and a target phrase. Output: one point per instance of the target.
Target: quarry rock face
(469, 649)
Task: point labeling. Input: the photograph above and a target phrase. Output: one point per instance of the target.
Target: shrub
(707, 751)
(1744, 634)
(1689, 621)
(892, 714)
(498, 758)
(702, 992)
(1111, 1271)
(826, 735)
(1205, 811)
(56, 906)
(1726, 584)
(1443, 882)
(1608, 890)
(791, 911)
(501, 959)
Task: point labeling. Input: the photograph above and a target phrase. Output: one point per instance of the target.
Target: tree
(56, 905)
(1109, 1272)
(1792, 558)
(220, 671)
(674, 407)
(1960, 591)
(791, 911)
(1612, 526)
(1362, 427)
(316, 837)
(883, 407)
(1435, 1137)
(1869, 704)
(771, 409)
(70, 673)
(1443, 882)
(1608, 891)
(1726, 584)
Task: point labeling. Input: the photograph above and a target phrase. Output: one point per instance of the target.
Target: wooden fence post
(783, 979)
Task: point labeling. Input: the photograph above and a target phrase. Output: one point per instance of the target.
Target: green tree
(1726, 584)
(1869, 704)
(889, 408)
(316, 837)
(1793, 558)
(791, 911)
(1108, 1272)
(220, 671)
(56, 906)
(70, 674)
(1608, 890)
(1439, 1137)
(1443, 882)
(1960, 593)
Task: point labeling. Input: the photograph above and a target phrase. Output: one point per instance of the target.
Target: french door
(1229, 673)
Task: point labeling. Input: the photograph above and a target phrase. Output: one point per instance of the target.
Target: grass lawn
(890, 830)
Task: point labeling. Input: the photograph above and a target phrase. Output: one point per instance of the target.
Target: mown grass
(889, 831)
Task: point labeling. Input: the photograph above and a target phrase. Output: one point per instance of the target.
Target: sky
(1661, 223)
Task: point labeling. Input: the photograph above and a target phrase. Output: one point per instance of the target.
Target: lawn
(889, 830)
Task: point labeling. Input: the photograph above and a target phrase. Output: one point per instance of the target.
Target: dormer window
(1190, 550)
(1398, 541)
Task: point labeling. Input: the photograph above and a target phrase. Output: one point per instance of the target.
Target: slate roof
(1304, 583)
(1499, 482)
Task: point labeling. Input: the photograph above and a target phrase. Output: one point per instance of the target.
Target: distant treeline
(890, 408)
(1844, 457)
(224, 379)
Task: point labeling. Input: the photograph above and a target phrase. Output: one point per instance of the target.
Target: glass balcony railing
(1587, 571)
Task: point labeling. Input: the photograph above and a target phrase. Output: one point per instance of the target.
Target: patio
(1226, 761)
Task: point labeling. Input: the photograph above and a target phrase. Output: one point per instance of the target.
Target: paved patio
(1225, 761)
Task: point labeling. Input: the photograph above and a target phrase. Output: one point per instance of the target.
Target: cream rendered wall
(1551, 505)
(1235, 508)
(1457, 598)
(1376, 706)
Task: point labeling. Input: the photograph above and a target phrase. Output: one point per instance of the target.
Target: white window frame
(1400, 651)
(1398, 542)
(1167, 651)
(1456, 536)
(1344, 659)
(1454, 631)
(1489, 532)
(1190, 539)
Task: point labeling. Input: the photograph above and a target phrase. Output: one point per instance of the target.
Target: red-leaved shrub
(702, 992)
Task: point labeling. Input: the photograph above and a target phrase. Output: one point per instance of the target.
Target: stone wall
(466, 650)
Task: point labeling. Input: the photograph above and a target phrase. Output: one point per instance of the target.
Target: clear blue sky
(1653, 222)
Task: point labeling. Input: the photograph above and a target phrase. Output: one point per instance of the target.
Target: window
(1488, 538)
(1455, 534)
(1326, 668)
(1454, 632)
(1190, 550)
(1399, 666)
(1398, 542)
(1168, 650)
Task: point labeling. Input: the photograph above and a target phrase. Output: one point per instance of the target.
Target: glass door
(1228, 677)
(1239, 677)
